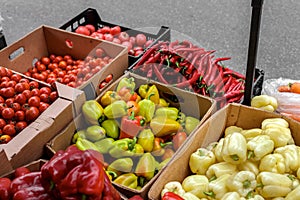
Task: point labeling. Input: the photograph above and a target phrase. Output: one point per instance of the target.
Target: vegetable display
(68, 70)
(193, 68)
(69, 174)
(22, 100)
(258, 163)
(135, 131)
(136, 44)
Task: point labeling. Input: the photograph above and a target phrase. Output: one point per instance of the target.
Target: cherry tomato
(53, 96)
(102, 84)
(9, 92)
(33, 84)
(141, 39)
(32, 113)
(11, 83)
(19, 87)
(45, 60)
(115, 30)
(1, 99)
(2, 106)
(45, 90)
(34, 101)
(16, 77)
(2, 71)
(2, 123)
(27, 93)
(45, 98)
(41, 68)
(35, 92)
(108, 78)
(91, 28)
(8, 113)
(20, 171)
(9, 129)
(123, 36)
(103, 30)
(9, 101)
(82, 30)
(15, 106)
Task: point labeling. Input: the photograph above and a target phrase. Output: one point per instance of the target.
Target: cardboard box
(211, 131)
(5, 164)
(29, 144)
(189, 103)
(45, 40)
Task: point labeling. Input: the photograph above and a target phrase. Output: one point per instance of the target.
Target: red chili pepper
(221, 59)
(144, 57)
(190, 81)
(5, 188)
(178, 139)
(131, 126)
(228, 71)
(159, 75)
(171, 196)
(233, 94)
(154, 58)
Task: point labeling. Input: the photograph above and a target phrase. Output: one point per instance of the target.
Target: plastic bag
(288, 103)
(1, 20)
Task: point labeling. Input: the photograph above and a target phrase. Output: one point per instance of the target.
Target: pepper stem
(210, 194)
(246, 184)
(235, 157)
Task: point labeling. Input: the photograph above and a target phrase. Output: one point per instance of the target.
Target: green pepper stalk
(131, 126)
(153, 94)
(259, 146)
(243, 182)
(218, 187)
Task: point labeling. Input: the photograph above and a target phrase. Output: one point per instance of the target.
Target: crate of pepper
(138, 125)
(137, 41)
(189, 67)
(51, 179)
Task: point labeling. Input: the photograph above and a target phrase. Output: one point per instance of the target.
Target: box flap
(5, 164)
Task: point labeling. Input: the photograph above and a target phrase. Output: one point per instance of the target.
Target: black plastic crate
(91, 16)
(2, 41)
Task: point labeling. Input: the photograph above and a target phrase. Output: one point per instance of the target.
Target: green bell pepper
(162, 126)
(128, 180)
(111, 127)
(84, 144)
(126, 82)
(121, 166)
(126, 148)
(104, 145)
(116, 109)
(147, 109)
(190, 124)
(92, 112)
(94, 133)
(146, 166)
(78, 134)
(168, 112)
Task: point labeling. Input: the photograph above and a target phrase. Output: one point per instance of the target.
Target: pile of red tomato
(135, 44)
(21, 101)
(68, 70)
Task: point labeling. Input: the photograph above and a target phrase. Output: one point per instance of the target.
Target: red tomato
(34, 101)
(116, 40)
(9, 129)
(45, 98)
(11, 83)
(27, 93)
(102, 84)
(9, 101)
(108, 78)
(82, 30)
(43, 106)
(45, 90)
(2, 106)
(20, 126)
(8, 113)
(108, 37)
(16, 77)
(20, 98)
(20, 171)
(53, 96)
(123, 36)
(19, 115)
(33, 84)
(140, 39)
(41, 67)
(105, 29)
(148, 43)
(1, 99)
(32, 113)
(35, 92)
(19, 87)
(9, 92)
(2, 123)
(99, 52)
(132, 39)
(16, 106)
(115, 30)
(2, 71)
(45, 60)
(127, 44)
(91, 28)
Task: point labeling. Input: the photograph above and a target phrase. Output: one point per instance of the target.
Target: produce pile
(258, 163)
(69, 174)
(68, 70)
(193, 68)
(135, 129)
(22, 100)
(135, 44)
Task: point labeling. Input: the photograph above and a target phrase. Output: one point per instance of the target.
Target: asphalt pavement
(218, 25)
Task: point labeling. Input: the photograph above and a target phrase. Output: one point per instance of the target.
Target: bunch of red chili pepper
(189, 67)
(71, 174)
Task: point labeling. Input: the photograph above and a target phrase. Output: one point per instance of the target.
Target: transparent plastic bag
(1, 21)
(288, 103)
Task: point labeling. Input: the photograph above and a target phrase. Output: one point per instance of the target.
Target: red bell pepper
(171, 196)
(178, 139)
(29, 186)
(109, 192)
(5, 188)
(131, 126)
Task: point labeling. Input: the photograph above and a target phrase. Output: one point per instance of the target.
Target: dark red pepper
(171, 196)
(36, 192)
(109, 192)
(131, 126)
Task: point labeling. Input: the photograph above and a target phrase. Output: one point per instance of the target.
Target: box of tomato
(137, 41)
(127, 120)
(220, 151)
(53, 55)
(32, 112)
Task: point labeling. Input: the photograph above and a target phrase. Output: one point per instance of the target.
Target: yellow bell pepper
(244, 182)
(264, 102)
(218, 188)
(109, 97)
(163, 103)
(281, 136)
(249, 165)
(200, 161)
(273, 163)
(234, 149)
(162, 126)
(173, 186)
(291, 157)
(128, 180)
(251, 133)
(190, 196)
(232, 129)
(259, 146)
(153, 94)
(196, 184)
(274, 122)
(218, 150)
(218, 169)
(295, 180)
(272, 185)
(231, 196)
(294, 194)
